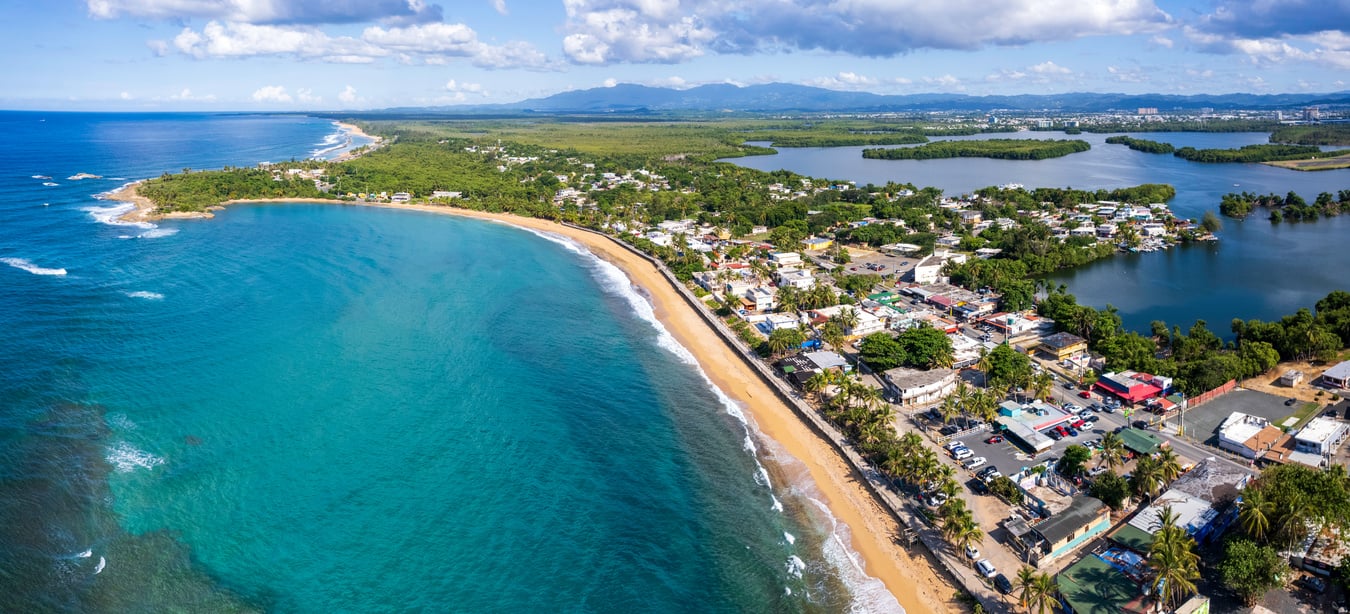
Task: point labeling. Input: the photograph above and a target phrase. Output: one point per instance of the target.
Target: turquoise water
(309, 408)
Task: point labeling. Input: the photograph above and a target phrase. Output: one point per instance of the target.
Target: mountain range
(784, 97)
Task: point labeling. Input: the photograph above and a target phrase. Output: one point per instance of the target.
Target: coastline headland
(912, 577)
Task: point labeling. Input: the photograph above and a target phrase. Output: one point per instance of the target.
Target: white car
(952, 445)
(986, 568)
(972, 552)
(962, 453)
(976, 462)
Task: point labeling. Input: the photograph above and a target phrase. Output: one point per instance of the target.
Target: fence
(1206, 397)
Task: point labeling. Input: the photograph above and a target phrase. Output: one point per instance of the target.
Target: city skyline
(183, 55)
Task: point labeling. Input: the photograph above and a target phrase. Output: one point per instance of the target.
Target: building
(929, 270)
(1085, 518)
(1204, 500)
(1291, 378)
(1140, 442)
(761, 298)
(913, 387)
(1248, 436)
(1063, 345)
(777, 321)
(1096, 586)
(1027, 423)
(1338, 376)
(1321, 436)
(400, 197)
(825, 361)
(1132, 387)
(817, 243)
(785, 259)
(796, 278)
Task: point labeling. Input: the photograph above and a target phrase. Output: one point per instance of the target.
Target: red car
(1085, 394)
(995, 439)
(1078, 424)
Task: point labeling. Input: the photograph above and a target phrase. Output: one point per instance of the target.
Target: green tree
(1112, 489)
(926, 347)
(1112, 450)
(1075, 460)
(1172, 557)
(783, 340)
(1254, 513)
(1007, 366)
(1251, 570)
(882, 352)
(1210, 222)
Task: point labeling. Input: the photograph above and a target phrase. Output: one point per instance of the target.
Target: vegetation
(1074, 461)
(1322, 134)
(195, 191)
(1286, 501)
(1112, 489)
(1289, 207)
(1144, 145)
(1253, 153)
(1036, 591)
(1204, 125)
(1172, 557)
(1002, 149)
(921, 347)
(1251, 570)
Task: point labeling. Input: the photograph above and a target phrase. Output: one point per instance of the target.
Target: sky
(186, 55)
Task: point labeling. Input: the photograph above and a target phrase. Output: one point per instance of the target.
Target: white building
(1247, 436)
(1320, 436)
(761, 297)
(783, 259)
(1338, 376)
(929, 270)
(915, 387)
(796, 278)
(659, 238)
(400, 197)
(776, 321)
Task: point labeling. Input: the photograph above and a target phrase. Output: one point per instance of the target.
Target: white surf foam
(86, 554)
(50, 184)
(26, 265)
(149, 296)
(126, 458)
(155, 233)
(102, 562)
(333, 142)
(791, 539)
(122, 422)
(111, 215)
(869, 594)
(795, 566)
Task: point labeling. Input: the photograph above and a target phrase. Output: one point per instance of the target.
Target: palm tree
(1026, 585)
(1042, 384)
(1112, 450)
(1042, 594)
(1168, 465)
(816, 384)
(1254, 513)
(1146, 479)
(984, 363)
(948, 409)
(1293, 517)
(966, 535)
(962, 394)
(1172, 556)
(847, 318)
(831, 334)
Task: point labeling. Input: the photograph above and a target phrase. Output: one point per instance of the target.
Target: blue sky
(360, 54)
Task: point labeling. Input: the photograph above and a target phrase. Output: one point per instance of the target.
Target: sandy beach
(354, 130)
(914, 580)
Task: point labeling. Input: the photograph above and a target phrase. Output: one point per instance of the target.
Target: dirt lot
(1304, 391)
(1319, 164)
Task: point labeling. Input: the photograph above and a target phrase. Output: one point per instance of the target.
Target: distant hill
(784, 97)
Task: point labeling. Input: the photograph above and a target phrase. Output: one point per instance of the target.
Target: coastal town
(1003, 426)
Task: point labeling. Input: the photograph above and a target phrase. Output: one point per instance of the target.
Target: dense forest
(1252, 153)
(1002, 149)
(1143, 145)
(1319, 134)
(1201, 125)
(195, 191)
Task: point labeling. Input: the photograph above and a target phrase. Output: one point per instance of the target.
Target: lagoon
(1256, 270)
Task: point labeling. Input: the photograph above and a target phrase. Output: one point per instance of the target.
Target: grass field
(1317, 164)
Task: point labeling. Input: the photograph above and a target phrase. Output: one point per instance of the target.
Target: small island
(1291, 206)
(1000, 149)
(1144, 145)
(1296, 157)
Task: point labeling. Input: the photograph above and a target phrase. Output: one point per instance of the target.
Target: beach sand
(914, 579)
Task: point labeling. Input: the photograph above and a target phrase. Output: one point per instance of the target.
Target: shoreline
(353, 130)
(916, 584)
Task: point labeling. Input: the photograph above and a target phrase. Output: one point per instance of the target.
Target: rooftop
(1192, 512)
(1214, 481)
(1340, 371)
(1092, 586)
(1142, 442)
(1062, 340)
(905, 378)
(1321, 430)
(1080, 513)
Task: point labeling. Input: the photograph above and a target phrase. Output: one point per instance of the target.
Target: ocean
(315, 408)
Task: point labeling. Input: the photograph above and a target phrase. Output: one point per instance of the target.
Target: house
(1203, 499)
(988, 252)
(930, 269)
(1321, 436)
(400, 197)
(1085, 518)
(825, 361)
(1063, 345)
(1291, 378)
(777, 321)
(817, 243)
(1132, 387)
(1140, 442)
(1248, 436)
(1086, 230)
(796, 278)
(446, 194)
(761, 297)
(785, 259)
(914, 387)
(1338, 376)
(971, 217)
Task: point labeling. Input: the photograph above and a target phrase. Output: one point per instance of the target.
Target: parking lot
(1203, 422)
(1010, 458)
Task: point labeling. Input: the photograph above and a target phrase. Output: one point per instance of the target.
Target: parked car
(1003, 585)
(1053, 434)
(962, 453)
(953, 444)
(1076, 423)
(986, 471)
(1085, 394)
(978, 487)
(1139, 424)
(1068, 385)
(994, 439)
(1290, 402)
(1096, 471)
(936, 499)
(972, 552)
(1073, 432)
(989, 477)
(986, 568)
(976, 462)
(1110, 409)
(1089, 422)
(1315, 584)
(950, 429)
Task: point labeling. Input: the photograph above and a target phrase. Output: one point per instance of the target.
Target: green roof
(1091, 586)
(1134, 538)
(1140, 442)
(885, 298)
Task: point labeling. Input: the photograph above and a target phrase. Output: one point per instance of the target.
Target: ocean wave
(869, 593)
(126, 458)
(333, 142)
(26, 265)
(102, 562)
(121, 422)
(157, 232)
(111, 215)
(791, 539)
(149, 296)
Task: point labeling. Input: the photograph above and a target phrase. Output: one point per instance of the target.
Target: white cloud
(606, 31)
(1127, 75)
(158, 47)
(271, 93)
(611, 82)
(269, 11)
(125, 96)
(348, 95)
(500, 6)
(1329, 48)
(1161, 41)
(1049, 68)
(186, 95)
(1043, 73)
(465, 88)
(306, 96)
(945, 81)
(239, 40)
